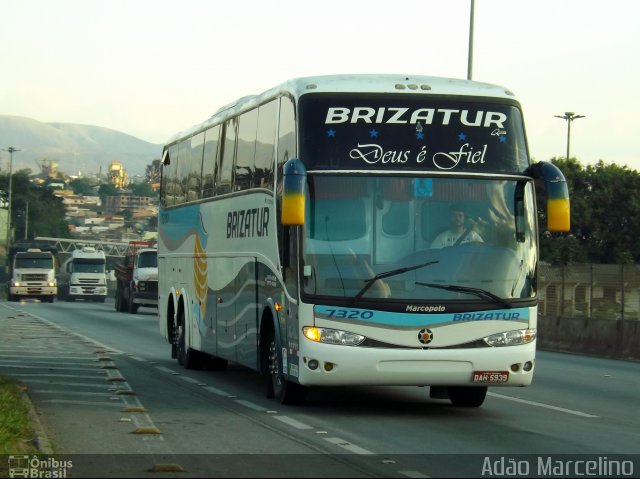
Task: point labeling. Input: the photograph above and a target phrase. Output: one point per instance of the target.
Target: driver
(457, 233)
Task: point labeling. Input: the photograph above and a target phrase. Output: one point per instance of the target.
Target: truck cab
(137, 278)
(83, 276)
(33, 275)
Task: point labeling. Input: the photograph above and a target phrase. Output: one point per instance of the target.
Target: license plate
(490, 376)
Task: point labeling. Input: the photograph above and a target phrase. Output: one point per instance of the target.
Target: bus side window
(246, 150)
(209, 161)
(195, 171)
(265, 145)
(225, 167)
(184, 165)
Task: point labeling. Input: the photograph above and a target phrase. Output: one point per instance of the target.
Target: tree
(142, 189)
(34, 209)
(605, 215)
(152, 172)
(82, 186)
(107, 189)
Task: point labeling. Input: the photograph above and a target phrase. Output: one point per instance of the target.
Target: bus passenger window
(195, 174)
(265, 145)
(246, 150)
(225, 169)
(209, 161)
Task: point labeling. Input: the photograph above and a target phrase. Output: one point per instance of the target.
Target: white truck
(33, 275)
(83, 276)
(137, 278)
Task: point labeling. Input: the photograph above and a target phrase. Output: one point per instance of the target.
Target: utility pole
(11, 151)
(569, 116)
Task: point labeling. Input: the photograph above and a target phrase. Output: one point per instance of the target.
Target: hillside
(77, 148)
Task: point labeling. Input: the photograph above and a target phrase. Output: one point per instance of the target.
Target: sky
(152, 68)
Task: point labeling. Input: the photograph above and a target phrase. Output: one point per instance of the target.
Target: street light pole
(470, 58)
(11, 151)
(569, 116)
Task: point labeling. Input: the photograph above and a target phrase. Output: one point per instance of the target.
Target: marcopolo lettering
(424, 309)
(248, 223)
(428, 116)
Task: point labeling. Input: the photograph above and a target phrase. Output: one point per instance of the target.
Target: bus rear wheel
(285, 392)
(187, 357)
(467, 396)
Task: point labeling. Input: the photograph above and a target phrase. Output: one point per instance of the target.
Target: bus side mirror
(558, 211)
(293, 194)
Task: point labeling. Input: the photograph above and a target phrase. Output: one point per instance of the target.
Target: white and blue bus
(301, 234)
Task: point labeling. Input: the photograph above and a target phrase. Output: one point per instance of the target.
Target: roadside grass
(16, 433)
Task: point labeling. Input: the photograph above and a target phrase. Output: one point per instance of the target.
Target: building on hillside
(118, 176)
(140, 206)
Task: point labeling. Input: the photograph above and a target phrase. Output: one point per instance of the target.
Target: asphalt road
(113, 401)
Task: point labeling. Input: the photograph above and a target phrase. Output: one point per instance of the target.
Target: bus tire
(187, 357)
(285, 392)
(467, 396)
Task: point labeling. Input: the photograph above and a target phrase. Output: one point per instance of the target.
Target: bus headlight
(511, 338)
(332, 336)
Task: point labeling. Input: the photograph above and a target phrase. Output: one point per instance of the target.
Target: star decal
(502, 139)
(420, 135)
(373, 133)
(331, 133)
(462, 137)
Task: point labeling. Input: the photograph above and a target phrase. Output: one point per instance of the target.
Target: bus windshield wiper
(386, 274)
(466, 289)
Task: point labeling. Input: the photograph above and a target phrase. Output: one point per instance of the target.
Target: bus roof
(356, 83)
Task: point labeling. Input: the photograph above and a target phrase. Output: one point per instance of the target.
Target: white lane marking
(292, 422)
(71, 384)
(190, 380)
(217, 391)
(539, 404)
(82, 403)
(78, 335)
(348, 446)
(413, 474)
(73, 393)
(164, 370)
(250, 405)
(51, 367)
(45, 375)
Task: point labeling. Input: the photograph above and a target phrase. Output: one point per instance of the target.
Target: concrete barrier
(618, 339)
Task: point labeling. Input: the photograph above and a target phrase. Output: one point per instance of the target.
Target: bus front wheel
(285, 392)
(467, 396)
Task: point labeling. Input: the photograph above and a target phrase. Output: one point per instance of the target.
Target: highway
(110, 397)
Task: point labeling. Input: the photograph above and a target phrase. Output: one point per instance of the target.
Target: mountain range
(83, 149)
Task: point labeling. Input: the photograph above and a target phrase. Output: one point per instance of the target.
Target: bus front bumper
(334, 365)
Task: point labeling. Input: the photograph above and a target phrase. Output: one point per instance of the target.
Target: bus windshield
(421, 238)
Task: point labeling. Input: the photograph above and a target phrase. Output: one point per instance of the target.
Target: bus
(297, 237)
